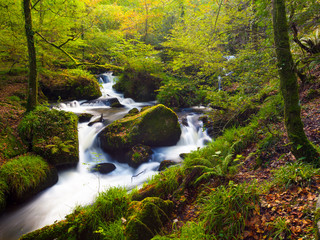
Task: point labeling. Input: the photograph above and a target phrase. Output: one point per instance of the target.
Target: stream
(79, 185)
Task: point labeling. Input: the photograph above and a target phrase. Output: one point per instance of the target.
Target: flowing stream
(79, 185)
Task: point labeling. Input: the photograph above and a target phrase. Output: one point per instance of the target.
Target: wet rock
(96, 120)
(138, 154)
(156, 126)
(104, 168)
(85, 117)
(132, 112)
(165, 164)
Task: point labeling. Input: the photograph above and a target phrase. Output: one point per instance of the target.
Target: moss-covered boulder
(69, 84)
(24, 176)
(147, 218)
(138, 84)
(156, 126)
(138, 154)
(52, 134)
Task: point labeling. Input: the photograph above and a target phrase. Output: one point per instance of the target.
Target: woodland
(254, 66)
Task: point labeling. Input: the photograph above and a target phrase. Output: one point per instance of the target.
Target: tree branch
(34, 5)
(58, 47)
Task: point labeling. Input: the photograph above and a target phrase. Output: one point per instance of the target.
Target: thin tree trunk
(300, 145)
(33, 76)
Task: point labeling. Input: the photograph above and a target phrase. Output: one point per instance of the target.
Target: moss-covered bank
(23, 177)
(52, 134)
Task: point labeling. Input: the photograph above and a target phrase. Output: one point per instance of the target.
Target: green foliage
(294, 174)
(226, 209)
(166, 182)
(280, 229)
(113, 230)
(97, 220)
(180, 92)
(217, 164)
(27, 174)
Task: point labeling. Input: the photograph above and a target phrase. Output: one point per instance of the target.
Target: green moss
(147, 218)
(4, 190)
(69, 85)
(156, 126)
(52, 134)
(27, 175)
(10, 145)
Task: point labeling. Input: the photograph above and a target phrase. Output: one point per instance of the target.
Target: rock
(138, 154)
(96, 120)
(147, 218)
(84, 117)
(114, 102)
(156, 126)
(165, 164)
(183, 155)
(52, 134)
(69, 84)
(104, 168)
(132, 112)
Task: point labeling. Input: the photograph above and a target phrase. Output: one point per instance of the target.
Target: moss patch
(147, 218)
(52, 134)
(26, 176)
(156, 126)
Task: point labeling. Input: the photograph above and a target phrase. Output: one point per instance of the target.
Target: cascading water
(79, 186)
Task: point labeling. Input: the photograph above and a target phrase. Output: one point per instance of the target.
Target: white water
(79, 186)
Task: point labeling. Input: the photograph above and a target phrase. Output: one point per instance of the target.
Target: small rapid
(79, 185)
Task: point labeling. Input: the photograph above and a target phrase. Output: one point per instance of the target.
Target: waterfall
(79, 185)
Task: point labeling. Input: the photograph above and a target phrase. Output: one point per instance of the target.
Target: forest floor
(293, 208)
(296, 205)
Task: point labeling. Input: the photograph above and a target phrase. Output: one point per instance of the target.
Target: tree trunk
(300, 145)
(33, 76)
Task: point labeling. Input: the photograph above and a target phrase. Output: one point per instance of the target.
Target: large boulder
(69, 84)
(52, 134)
(155, 126)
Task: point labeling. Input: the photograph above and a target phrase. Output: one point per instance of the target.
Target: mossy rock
(156, 126)
(165, 164)
(147, 218)
(84, 117)
(26, 176)
(10, 144)
(139, 85)
(69, 85)
(52, 134)
(138, 154)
